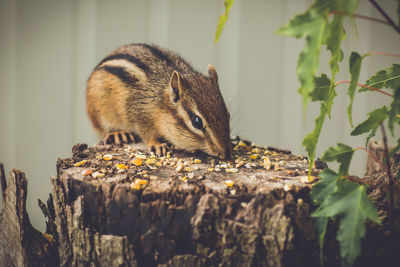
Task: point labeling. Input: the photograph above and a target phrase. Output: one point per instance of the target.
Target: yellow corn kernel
(229, 183)
(136, 161)
(151, 161)
(108, 157)
(197, 161)
(120, 166)
(80, 163)
(86, 172)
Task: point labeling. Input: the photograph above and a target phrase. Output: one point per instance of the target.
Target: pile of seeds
(140, 168)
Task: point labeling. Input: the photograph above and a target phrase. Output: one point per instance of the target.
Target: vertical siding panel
(228, 52)
(120, 22)
(158, 22)
(8, 99)
(44, 92)
(85, 61)
(192, 29)
(259, 72)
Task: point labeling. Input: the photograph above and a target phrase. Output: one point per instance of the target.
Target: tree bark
(261, 220)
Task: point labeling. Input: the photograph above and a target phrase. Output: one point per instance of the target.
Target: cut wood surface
(184, 211)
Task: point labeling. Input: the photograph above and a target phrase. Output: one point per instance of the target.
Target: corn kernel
(151, 161)
(136, 161)
(97, 174)
(120, 166)
(86, 172)
(197, 161)
(232, 170)
(229, 183)
(210, 169)
(108, 157)
(80, 163)
(254, 156)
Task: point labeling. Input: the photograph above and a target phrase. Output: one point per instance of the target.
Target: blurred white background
(49, 47)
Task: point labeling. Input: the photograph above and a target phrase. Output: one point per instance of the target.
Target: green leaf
(375, 118)
(326, 186)
(310, 141)
(223, 18)
(355, 67)
(312, 26)
(387, 78)
(351, 206)
(321, 91)
(370, 135)
(321, 223)
(394, 110)
(342, 154)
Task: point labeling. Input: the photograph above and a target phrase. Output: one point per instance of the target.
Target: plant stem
(388, 169)
(386, 16)
(383, 54)
(359, 16)
(366, 86)
(372, 154)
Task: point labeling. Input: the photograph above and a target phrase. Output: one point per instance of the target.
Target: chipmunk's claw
(119, 138)
(159, 149)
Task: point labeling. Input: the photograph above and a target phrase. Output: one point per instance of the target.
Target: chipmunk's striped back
(155, 94)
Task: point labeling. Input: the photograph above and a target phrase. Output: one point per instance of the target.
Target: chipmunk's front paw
(160, 149)
(119, 138)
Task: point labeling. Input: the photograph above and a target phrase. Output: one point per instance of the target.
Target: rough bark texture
(189, 216)
(262, 220)
(20, 243)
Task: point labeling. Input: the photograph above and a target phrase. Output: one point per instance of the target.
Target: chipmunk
(145, 91)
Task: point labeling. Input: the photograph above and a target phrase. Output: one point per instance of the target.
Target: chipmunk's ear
(212, 73)
(176, 90)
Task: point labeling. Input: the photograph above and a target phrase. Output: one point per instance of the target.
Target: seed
(190, 175)
(229, 183)
(141, 181)
(267, 163)
(197, 161)
(151, 161)
(188, 169)
(135, 186)
(80, 163)
(210, 169)
(179, 167)
(49, 237)
(86, 172)
(254, 156)
(240, 164)
(142, 157)
(287, 187)
(108, 157)
(233, 192)
(217, 169)
(232, 170)
(241, 143)
(137, 161)
(120, 166)
(97, 174)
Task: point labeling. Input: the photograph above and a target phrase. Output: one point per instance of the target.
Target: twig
(3, 182)
(383, 54)
(372, 154)
(386, 16)
(366, 86)
(359, 16)
(388, 169)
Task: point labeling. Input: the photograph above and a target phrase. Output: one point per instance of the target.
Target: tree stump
(189, 214)
(114, 206)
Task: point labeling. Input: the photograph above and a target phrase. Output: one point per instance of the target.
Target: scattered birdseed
(267, 163)
(254, 156)
(229, 183)
(151, 161)
(210, 169)
(190, 175)
(197, 161)
(108, 157)
(49, 237)
(97, 174)
(120, 166)
(287, 187)
(217, 169)
(232, 170)
(240, 164)
(179, 167)
(233, 192)
(136, 161)
(86, 172)
(142, 157)
(188, 169)
(80, 163)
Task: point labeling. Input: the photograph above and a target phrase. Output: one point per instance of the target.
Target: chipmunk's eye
(197, 122)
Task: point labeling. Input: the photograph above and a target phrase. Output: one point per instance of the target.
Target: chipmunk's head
(198, 117)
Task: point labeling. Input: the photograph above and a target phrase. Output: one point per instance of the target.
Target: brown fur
(134, 89)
